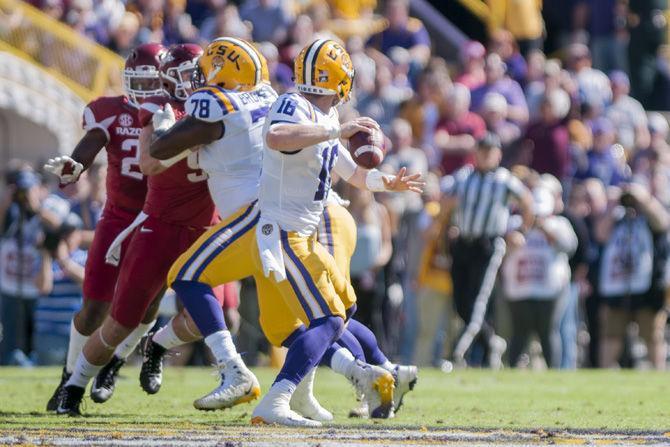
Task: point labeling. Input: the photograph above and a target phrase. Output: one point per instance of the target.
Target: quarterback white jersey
(234, 161)
(295, 184)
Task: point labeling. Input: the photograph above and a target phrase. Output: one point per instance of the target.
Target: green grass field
(473, 400)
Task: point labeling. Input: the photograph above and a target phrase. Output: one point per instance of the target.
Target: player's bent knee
(334, 323)
(91, 316)
(114, 332)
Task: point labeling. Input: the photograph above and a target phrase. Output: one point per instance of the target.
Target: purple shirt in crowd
(507, 87)
(412, 34)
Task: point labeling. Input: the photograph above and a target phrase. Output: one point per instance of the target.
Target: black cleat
(104, 383)
(52, 405)
(70, 401)
(151, 375)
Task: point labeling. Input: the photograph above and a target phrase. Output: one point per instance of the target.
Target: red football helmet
(177, 67)
(141, 76)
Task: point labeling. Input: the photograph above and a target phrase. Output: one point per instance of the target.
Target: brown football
(367, 149)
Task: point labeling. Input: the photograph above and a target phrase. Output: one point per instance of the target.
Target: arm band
(374, 180)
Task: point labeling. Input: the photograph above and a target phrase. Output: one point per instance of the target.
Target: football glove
(163, 119)
(67, 169)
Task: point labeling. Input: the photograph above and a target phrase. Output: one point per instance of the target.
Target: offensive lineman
(112, 123)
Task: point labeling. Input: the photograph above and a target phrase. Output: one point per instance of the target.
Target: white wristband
(374, 180)
(171, 161)
(333, 130)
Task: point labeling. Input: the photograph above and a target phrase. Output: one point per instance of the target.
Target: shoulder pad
(210, 104)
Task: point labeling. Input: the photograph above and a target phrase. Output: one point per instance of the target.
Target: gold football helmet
(324, 68)
(232, 64)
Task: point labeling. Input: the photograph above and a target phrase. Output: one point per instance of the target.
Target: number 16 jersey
(295, 184)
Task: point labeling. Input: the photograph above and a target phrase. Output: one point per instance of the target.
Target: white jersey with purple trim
(295, 184)
(234, 161)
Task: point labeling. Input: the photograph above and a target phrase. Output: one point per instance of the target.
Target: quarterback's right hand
(361, 124)
(67, 169)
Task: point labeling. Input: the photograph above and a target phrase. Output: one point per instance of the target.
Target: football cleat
(151, 374)
(497, 347)
(376, 385)
(304, 402)
(105, 382)
(52, 405)
(238, 385)
(405, 377)
(275, 408)
(70, 401)
(361, 411)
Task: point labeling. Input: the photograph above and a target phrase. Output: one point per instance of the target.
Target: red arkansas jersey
(119, 120)
(179, 194)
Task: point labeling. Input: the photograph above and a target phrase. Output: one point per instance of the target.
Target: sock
(368, 342)
(222, 346)
(129, 344)
(343, 362)
(75, 345)
(166, 336)
(308, 348)
(199, 300)
(83, 372)
(283, 386)
(348, 341)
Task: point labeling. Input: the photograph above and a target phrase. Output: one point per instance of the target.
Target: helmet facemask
(142, 82)
(181, 79)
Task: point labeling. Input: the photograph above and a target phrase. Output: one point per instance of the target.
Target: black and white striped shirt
(483, 200)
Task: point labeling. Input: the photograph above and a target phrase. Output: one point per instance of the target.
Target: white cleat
(275, 408)
(376, 385)
(497, 347)
(304, 402)
(238, 385)
(405, 377)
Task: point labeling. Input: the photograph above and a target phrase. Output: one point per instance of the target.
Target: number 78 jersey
(295, 184)
(233, 162)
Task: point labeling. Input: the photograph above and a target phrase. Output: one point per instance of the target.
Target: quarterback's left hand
(402, 182)
(163, 119)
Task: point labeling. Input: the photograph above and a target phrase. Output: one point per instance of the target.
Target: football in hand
(367, 149)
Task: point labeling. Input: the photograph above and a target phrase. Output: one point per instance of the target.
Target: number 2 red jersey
(178, 195)
(119, 120)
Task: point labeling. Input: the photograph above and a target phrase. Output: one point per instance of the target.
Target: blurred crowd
(570, 130)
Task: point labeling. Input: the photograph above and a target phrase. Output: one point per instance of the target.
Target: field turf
(474, 406)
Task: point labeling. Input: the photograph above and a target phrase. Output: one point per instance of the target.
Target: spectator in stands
(546, 144)
(458, 130)
(382, 104)
(593, 86)
(422, 111)
(631, 280)
(605, 160)
(269, 19)
(59, 281)
(124, 37)
(24, 213)
(651, 166)
(365, 65)
(537, 87)
(226, 22)
(494, 113)
(605, 21)
(281, 75)
(352, 9)
(177, 25)
(535, 276)
(627, 115)
(497, 81)
(523, 19)
(402, 31)
(403, 154)
(473, 74)
(301, 33)
(503, 44)
(199, 10)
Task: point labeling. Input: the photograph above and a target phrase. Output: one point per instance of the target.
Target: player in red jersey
(112, 123)
(177, 210)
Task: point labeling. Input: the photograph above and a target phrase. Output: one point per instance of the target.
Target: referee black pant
(474, 268)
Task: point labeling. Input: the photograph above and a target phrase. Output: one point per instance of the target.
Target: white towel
(113, 255)
(268, 239)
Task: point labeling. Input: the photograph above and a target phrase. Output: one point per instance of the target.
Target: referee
(476, 205)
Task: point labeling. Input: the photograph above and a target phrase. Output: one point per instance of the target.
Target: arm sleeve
(515, 186)
(345, 166)
(561, 230)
